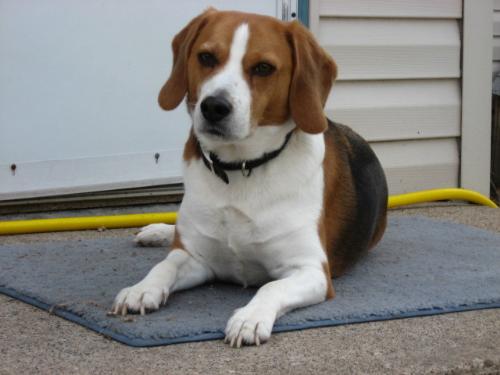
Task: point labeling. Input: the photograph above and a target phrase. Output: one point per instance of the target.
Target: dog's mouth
(214, 131)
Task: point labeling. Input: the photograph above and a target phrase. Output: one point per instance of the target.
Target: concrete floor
(32, 341)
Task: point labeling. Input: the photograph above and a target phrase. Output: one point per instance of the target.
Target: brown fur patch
(268, 43)
(345, 230)
(177, 242)
(191, 149)
(173, 91)
(313, 75)
(330, 291)
(338, 201)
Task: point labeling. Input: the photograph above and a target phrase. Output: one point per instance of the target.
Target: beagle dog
(276, 195)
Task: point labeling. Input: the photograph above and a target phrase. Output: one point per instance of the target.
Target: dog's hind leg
(154, 235)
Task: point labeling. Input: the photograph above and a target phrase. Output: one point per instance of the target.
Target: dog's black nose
(215, 108)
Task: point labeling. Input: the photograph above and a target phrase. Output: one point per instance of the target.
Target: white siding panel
(392, 48)
(496, 23)
(496, 67)
(496, 49)
(360, 31)
(419, 165)
(397, 110)
(496, 37)
(398, 83)
(392, 8)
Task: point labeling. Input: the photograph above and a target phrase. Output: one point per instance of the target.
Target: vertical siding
(399, 83)
(496, 37)
(475, 151)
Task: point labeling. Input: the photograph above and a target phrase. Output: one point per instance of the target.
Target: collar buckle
(244, 171)
(209, 162)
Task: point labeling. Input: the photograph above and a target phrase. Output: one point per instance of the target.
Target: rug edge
(144, 343)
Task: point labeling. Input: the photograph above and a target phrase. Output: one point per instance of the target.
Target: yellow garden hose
(89, 222)
(439, 195)
(138, 220)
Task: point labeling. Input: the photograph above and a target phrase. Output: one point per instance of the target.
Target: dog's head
(244, 71)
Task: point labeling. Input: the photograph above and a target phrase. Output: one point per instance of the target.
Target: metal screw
(13, 168)
(157, 157)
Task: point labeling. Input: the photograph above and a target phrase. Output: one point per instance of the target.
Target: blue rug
(421, 267)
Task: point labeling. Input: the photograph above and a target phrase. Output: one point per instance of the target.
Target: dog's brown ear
(313, 75)
(174, 90)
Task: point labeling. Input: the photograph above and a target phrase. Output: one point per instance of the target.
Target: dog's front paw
(249, 325)
(139, 298)
(155, 235)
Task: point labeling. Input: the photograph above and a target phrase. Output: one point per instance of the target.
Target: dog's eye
(207, 59)
(263, 69)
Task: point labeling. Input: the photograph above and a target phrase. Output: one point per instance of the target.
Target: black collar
(213, 163)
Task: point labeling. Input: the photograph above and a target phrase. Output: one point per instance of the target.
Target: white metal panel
(38, 178)
(79, 82)
(417, 165)
(392, 8)
(392, 48)
(397, 110)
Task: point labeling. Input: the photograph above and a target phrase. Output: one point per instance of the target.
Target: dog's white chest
(246, 230)
(237, 238)
(228, 243)
(237, 229)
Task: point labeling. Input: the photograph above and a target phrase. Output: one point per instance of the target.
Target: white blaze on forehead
(238, 47)
(232, 73)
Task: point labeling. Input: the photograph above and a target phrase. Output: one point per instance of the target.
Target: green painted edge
(303, 12)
